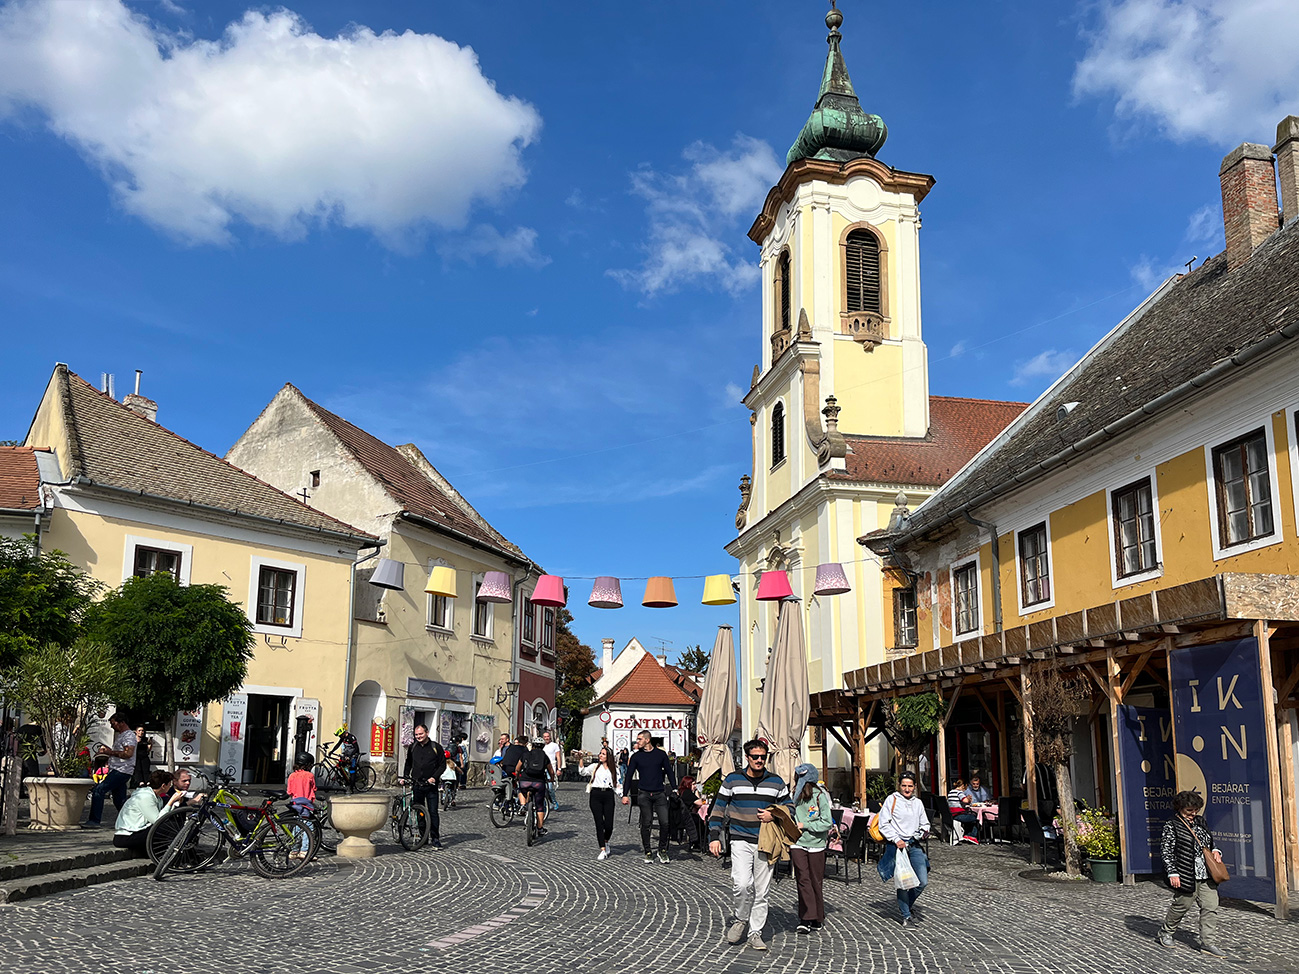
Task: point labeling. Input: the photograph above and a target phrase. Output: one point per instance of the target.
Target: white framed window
(965, 600)
(905, 630)
(483, 614)
(1244, 493)
(1035, 579)
(548, 631)
(275, 596)
(440, 610)
(1136, 544)
(144, 556)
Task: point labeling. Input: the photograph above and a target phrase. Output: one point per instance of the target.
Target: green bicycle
(410, 822)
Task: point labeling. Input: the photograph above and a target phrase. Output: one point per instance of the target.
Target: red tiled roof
(20, 480)
(415, 490)
(648, 683)
(958, 429)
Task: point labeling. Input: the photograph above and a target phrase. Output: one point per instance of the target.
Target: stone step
(62, 862)
(43, 884)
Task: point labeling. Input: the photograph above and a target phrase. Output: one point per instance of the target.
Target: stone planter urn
(57, 803)
(357, 816)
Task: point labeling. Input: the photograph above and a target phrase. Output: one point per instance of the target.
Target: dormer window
(777, 433)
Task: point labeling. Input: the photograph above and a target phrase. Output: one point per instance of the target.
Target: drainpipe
(351, 632)
(996, 566)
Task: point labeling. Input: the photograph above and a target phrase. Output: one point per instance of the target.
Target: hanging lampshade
(831, 580)
(389, 574)
(774, 586)
(549, 592)
(442, 581)
(606, 593)
(718, 591)
(495, 588)
(659, 593)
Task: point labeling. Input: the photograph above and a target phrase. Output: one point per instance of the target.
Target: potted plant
(60, 689)
(1098, 838)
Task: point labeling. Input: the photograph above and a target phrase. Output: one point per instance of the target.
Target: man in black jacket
(653, 771)
(425, 762)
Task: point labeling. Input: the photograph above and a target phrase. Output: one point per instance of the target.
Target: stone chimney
(142, 405)
(1287, 166)
(662, 658)
(1249, 210)
(606, 654)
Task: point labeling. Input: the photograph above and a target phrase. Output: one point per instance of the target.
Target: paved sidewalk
(488, 903)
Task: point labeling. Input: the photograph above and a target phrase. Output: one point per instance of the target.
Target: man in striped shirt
(743, 803)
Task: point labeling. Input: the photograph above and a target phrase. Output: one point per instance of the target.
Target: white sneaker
(604, 854)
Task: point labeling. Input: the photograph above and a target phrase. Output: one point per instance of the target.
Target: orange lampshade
(659, 593)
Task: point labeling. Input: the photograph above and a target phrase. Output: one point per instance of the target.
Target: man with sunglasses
(743, 803)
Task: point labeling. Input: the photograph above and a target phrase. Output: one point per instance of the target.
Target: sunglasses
(756, 757)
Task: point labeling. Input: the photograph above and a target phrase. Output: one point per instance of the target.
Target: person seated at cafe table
(959, 803)
(977, 793)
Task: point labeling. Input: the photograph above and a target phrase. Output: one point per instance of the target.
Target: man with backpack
(534, 771)
(425, 762)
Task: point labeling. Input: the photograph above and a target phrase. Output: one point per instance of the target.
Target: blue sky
(514, 233)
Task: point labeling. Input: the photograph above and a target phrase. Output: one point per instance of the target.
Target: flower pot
(1104, 870)
(57, 803)
(357, 816)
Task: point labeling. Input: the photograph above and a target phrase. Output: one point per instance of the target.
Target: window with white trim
(1034, 565)
(965, 596)
(1133, 513)
(277, 590)
(548, 631)
(483, 614)
(150, 561)
(439, 612)
(905, 632)
(1243, 489)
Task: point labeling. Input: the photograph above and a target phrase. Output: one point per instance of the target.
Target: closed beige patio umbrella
(716, 716)
(782, 718)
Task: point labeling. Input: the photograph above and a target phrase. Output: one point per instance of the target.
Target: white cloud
(692, 215)
(732, 394)
(519, 246)
(1221, 70)
(1150, 275)
(272, 125)
(1205, 226)
(957, 350)
(1049, 365)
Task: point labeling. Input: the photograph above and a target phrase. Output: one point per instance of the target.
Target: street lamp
(507, 694)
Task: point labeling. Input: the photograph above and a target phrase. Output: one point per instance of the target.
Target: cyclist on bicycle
(534, 771)
(425, 762)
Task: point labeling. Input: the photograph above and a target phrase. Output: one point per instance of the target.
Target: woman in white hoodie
(904, 822)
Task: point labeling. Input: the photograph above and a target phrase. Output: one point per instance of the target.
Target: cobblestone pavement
(487, 903)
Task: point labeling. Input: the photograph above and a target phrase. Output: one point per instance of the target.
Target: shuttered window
(782, 290)
(777, 433)
(862, 269)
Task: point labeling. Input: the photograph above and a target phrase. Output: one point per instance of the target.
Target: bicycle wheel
(201, 850)
(413, 827)
(277, 846)
(448, 795)
(365, 778)
(501, 811)
(174, 847)
(326, 776)
(530, 820)
(327, 837)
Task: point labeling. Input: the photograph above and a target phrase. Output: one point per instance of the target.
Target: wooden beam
(1030, 757)
(1283, 692)
(1281, 875)
(1113, 673)
(951, 706)
(1096, 678)
(838, 736)
(1015, 690)
(987, 710)
(1002, 745)
(1285, 749)
(942, 750)
(1140, 665)
(1218, 634)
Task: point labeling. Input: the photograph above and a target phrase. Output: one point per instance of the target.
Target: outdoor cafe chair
(1041, 848)
(854, 847)
(1007, 820)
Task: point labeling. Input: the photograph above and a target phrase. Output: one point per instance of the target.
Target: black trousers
(658, 801)
(135, 841)
(427, 795)
(602, 812)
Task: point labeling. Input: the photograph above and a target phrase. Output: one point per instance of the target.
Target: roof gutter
(1121, 425)
(521, 560)
(360, 540)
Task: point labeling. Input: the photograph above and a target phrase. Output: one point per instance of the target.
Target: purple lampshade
(495, 588)
(831, 580)
(774, 586)
(606, 593)
(549, 592)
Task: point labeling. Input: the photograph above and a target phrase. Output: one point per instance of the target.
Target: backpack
(535, 765)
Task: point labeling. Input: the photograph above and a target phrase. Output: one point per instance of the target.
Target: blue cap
(803, 775)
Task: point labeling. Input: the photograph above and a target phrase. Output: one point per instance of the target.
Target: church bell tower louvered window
(862, 268)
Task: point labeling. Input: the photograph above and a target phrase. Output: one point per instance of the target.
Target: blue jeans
(114, 783)
(920, 863)
(550, 794)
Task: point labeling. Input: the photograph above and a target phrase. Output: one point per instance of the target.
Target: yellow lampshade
(442, 581)
(718, 591)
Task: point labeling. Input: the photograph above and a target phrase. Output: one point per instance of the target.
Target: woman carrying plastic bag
(903, 821)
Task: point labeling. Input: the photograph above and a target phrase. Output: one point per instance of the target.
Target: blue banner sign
(1146, 759)
(1222, 754)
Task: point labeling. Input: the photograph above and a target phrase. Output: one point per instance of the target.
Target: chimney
(1287, 166)
(606, 655)
(138, 404)
(662, 658)
(1249, 211)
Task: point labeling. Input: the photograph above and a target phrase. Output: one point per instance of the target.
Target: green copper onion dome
(837, 129)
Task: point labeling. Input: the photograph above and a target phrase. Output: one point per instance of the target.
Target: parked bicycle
(410, 821)
(340, 768)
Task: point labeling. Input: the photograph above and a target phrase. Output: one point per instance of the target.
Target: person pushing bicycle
(425, 762)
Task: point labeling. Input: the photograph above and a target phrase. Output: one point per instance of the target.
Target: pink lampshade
(549, 592)
(495, 588)
(831, 580)
(606, 593)
(774, 586)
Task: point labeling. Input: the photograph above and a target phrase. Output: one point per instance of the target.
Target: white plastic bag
(904, 876)
(449, 773)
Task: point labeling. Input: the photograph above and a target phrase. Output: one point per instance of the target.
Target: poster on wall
(187, 735)
(1149, 783)
(451, 724)
(234, 714)
(482, 742)
(405, 727)
(1218, 717)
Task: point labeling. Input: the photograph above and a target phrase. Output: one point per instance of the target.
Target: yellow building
(841, 413)
(124, 496)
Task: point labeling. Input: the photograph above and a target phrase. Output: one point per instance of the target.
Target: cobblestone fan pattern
(488, 903)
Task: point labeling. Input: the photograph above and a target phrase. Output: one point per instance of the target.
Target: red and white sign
(606, 716)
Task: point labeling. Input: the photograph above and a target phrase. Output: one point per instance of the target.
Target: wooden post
(1286, 751)
(859, 755)
(1113, 676)
(1003, 754)
(940, 778)
(1030, 755)
(1280, 874)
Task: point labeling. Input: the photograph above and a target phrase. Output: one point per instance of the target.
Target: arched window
(862, 272)
(782, 292)
(777, 433)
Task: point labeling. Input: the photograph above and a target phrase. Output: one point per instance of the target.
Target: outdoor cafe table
(986, 811)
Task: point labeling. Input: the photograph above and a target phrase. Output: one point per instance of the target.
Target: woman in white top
(904, 821)
(604, 789)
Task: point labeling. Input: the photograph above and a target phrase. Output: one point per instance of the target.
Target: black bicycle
(410, 821)
(506, 806)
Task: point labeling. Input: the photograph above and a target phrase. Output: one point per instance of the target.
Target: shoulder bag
(874, 829)
(1217, 870)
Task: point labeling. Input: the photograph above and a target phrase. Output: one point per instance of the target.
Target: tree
(43, 598)
(1054, 700)
(693, 659)
(178, 646)
(574, 664)
(910, 723)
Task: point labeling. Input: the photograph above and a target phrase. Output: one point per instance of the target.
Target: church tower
(841, 411)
